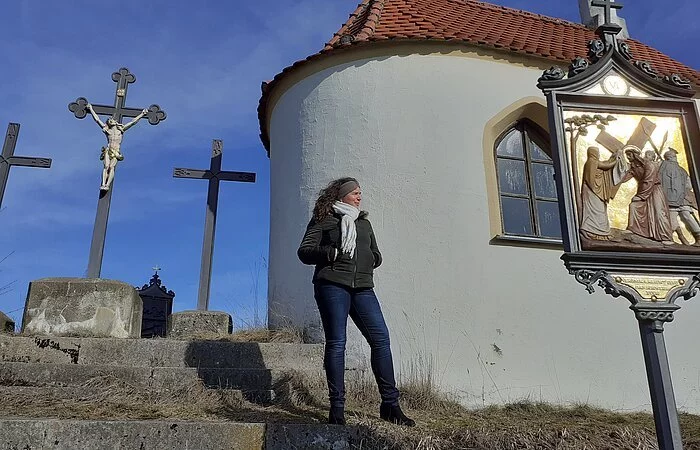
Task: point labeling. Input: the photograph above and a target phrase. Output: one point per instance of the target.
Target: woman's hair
(328, 196)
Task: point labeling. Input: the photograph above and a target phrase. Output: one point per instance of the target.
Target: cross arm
(246, 177)
(28, 161)
(109, 110)
(191, 173)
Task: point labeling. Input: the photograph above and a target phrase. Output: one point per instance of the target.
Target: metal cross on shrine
(214, 175)
(8, 158)
(608, 5)
(117, 112)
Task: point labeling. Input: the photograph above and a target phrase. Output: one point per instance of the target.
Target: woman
(340, 242)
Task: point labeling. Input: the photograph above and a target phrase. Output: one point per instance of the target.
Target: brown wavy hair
(327, 196)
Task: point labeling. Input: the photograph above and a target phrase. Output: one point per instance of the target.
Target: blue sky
(203, 65)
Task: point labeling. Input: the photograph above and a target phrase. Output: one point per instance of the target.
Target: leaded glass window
(527, 191)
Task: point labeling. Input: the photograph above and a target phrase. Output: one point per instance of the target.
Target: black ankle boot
(336, 415)
(393, 414)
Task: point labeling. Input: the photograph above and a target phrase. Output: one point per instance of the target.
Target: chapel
(421, 100)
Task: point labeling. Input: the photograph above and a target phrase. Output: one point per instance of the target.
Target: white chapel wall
(496, 323)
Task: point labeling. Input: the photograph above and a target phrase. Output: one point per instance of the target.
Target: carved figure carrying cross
(114, 130)
(8, 158)
(608, 5)
(214, 175)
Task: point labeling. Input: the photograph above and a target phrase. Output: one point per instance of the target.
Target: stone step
(159, 352)
(43, 374)
(159, 378)
(35, 434)
(55, 394)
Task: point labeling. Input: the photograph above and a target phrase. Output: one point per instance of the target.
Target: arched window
(526, 187)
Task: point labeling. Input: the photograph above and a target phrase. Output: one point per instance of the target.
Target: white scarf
(348, 234)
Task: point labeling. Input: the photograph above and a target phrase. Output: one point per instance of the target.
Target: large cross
(118, 111)
(608, 5)
(639, 138)
(214, 175)
(8, 158)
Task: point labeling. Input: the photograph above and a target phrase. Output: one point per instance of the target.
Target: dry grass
(442, 423)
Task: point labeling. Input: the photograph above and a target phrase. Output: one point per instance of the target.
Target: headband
(347, 188)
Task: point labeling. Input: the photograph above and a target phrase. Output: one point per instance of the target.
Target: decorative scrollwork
(604, 280)
(688, 291)
(124, 72)
(596, 49)
(554, 73)
(625, 50)
(155, 114)
(589, 278)
(647, 68)
(678, 81)
(79, 107)
(155, 280)
(661, 316)
(578, 66)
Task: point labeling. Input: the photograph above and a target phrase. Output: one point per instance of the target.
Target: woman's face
(353, 198)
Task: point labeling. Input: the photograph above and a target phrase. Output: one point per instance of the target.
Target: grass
(442, 423)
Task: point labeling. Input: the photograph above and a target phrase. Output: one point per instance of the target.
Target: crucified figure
(111, 154)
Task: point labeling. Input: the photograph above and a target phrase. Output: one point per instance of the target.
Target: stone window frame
(529, 131)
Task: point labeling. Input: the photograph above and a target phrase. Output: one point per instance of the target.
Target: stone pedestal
(87, 307)
(187, 324)
(7, 325)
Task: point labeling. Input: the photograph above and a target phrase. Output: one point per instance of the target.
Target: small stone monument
(7, 325)
(157, 307)
(187, 324)
(82, 307)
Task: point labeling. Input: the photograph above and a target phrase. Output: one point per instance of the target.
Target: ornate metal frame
(669, 96)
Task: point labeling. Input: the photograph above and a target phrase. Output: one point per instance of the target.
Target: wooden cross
(639, 138)
(608, 5)
(118, 111)
(214, 175)
(8, 158)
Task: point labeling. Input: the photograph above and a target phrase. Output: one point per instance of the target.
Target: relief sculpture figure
(649, 215)
(601, 181)
(680, 198)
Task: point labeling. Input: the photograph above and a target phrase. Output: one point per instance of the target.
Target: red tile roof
(475, 23)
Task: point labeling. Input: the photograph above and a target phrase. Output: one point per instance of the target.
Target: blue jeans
(335, 303)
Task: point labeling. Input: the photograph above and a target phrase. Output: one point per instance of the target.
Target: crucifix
(608, 6)
(111, 154)
(8, 158)
(214, 175)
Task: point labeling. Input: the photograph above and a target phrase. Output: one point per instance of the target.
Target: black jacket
(322, 242)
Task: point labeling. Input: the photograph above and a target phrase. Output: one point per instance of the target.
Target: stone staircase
(42, 375)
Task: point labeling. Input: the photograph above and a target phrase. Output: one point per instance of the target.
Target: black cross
(123, 78)
(8, 158)
(609, 5)
(214, 175)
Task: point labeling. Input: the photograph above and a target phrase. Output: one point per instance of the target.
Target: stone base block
(188, 324)
(82, 307)
(7, 325)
